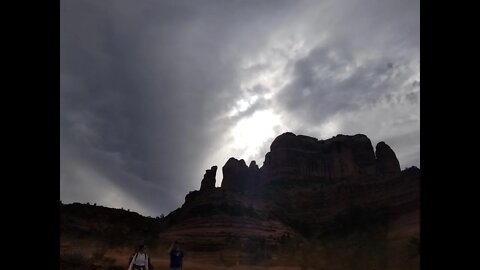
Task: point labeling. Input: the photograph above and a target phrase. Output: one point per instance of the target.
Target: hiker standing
(140, 260)
(176, 256)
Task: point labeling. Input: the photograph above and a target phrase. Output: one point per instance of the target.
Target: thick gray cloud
(155, 92)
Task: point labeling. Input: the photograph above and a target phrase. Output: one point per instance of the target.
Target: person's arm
(147, 260)
(171, 248)
(131, 262)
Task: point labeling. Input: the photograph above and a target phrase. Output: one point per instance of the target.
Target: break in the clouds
(155, 92)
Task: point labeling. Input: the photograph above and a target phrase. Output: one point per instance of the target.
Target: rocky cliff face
(208, 181)
(237, 177)
(303, 185)
(299, 157)
(337, 158)
(387, 162)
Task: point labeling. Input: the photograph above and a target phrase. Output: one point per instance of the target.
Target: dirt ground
(161, 261)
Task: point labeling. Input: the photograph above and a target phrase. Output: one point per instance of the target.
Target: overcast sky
(153, 93)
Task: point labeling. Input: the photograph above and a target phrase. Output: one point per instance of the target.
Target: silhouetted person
(140, 260)
(176, 256)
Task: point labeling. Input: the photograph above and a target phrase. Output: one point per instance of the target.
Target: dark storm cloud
(328, 81)
(140, 84)
(148, 87)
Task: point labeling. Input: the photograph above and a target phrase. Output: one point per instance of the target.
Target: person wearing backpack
(140, 260)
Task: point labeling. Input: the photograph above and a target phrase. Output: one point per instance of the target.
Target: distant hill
(109, 225)
(336, 202)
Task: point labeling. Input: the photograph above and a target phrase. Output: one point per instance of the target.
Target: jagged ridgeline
(339, 203)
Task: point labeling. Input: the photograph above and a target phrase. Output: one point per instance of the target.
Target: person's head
(141, 248)
(176, 244)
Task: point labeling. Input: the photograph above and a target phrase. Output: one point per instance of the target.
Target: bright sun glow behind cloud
(329, 129)
(251, 133)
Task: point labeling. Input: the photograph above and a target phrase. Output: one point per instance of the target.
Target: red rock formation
(237, 177)
(340, 157)
(387, 162)
(208, 181)
(234, 174)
